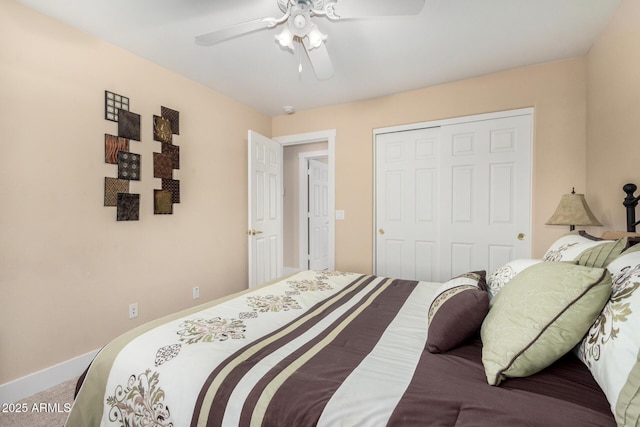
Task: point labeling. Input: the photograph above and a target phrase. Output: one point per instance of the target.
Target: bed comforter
(319, 348)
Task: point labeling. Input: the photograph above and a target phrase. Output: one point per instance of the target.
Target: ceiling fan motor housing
(300, 20)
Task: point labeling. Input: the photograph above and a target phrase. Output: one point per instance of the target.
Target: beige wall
(613, 143)
(68, 270)
(557, 91)
(291, 199)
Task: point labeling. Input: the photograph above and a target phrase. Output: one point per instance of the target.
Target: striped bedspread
(319, 348)
(315, 348)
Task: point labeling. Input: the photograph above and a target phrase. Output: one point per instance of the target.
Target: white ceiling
(449, 40)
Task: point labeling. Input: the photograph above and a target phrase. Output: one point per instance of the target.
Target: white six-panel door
(407, 192)
(486, 194)
(265, 209)
(453, 198)
(318, 215)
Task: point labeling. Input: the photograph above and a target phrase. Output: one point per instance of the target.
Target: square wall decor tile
(129, 125)
(113, 186)
(174, 152)
(129, 166)
(113, 103)
(112, 145)
(162, 204)
(172, 185)
(173, 116)
(162, 166)
(162, 129)
(128, 207)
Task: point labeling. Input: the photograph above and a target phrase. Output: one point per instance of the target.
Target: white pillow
(570, 246)
(504, 274)
(611, 348)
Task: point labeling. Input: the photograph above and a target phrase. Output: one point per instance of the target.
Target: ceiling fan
(297, 24)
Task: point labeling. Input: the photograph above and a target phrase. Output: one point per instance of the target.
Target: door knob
(253, 232)
(381, 231)
(521, 236)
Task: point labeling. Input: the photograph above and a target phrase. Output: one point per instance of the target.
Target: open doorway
(305, 208)
(298, 234)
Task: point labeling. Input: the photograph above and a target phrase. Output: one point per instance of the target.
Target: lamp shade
(573, 210)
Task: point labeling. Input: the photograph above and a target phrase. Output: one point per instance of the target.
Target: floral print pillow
(570, 246)
(611, 348)
(504, 274)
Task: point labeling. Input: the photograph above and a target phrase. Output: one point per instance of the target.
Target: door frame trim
(455, 120)
(436, 123)
(330, 137)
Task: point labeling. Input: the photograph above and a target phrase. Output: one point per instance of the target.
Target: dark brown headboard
(630, 202)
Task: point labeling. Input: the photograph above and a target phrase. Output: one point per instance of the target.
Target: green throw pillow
(602, 255)
(543, 313)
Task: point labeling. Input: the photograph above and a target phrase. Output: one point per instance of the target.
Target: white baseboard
(36, 382)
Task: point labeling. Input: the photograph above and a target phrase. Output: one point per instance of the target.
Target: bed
(539, 342)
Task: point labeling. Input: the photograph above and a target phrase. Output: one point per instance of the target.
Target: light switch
(339, 214)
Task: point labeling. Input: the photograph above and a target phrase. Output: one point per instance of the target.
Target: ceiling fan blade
(320, 61)
(348, 9)
(233, 31)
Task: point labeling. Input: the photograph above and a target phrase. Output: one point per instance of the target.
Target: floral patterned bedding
(315, 348)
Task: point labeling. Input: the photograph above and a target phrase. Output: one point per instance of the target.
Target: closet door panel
(453, 198)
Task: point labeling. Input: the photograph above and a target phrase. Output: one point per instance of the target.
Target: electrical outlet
(133, 310)
(196, 292)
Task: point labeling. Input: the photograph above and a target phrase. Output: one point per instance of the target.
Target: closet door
(454, 198)
(485, 199)
(407, 196)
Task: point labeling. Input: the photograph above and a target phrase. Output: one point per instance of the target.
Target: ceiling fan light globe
(316, 37)
(285, 38)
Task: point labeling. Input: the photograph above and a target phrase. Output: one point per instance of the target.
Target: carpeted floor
(45, 409)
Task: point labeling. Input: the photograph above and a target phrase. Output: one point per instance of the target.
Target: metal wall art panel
(172, 185)
(113, 186)
(113, 103)
(129, 166)
(174, 118)
(162, 129)
(112, 145)
(174, 152)
(129, 125)
(128, 207)
(162, 202)
(162, 166)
